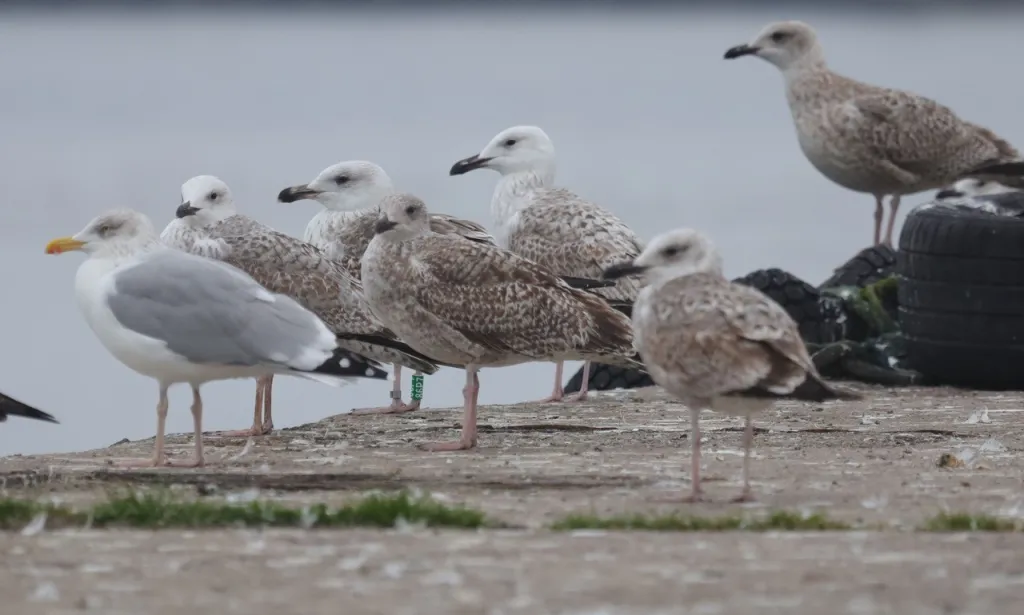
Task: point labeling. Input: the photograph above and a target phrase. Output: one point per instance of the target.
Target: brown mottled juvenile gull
(293, 267)
(476, 305)
(867, 138)
(553, 226)
(350, 193)
(715, 344)
(176, 317)
(12, 407)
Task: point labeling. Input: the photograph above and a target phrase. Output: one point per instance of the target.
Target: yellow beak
(63, 244)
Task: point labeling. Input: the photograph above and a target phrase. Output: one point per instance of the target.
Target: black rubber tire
(866, 267)
(819, 318)
(961, 297)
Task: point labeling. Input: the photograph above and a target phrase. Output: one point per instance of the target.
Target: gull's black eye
(103, 229)
(410, 210)
(213, 196)
(341, 180)
(778, 37)
(509, 142)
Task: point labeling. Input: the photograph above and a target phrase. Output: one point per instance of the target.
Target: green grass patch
(155, 510)
(961, 522)
(780, 520)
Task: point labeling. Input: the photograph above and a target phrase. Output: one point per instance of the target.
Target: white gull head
(520, 149)
(403, 216)
(116, 233)
(354, 185)
(786, 44)
(205, 200)
(671, 255)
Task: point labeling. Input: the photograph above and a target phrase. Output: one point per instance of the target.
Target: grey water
(102, 110)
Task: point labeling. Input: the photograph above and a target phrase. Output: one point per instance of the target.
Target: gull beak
(741, 50)
(64, 244)
(297, 193)
(469, 164)
(622, 270)
(384, 225)
(185, 210)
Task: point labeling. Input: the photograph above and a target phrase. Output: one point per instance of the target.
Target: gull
(12, 407)
(476, 305)
(293, 267)
(176, 317)
(180, 235)
(350, 192)
(713, 343)
(552, 226)
(866, 138)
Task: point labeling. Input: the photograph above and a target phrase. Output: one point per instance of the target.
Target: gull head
(513, 150)
(120, 231)
(973, 186)
(402, 216)
(674, 254)
(205, 199)
(786, 44)
(347, 186)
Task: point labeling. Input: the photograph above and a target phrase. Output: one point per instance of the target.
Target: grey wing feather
(209, 312)
(574, 237)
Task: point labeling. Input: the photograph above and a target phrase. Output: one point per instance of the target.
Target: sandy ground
(872, 463)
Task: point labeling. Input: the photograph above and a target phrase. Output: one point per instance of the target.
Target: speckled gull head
(120, 231)
(402, 216)
(205, 199)
(973, 186)
(674, 254)
(513, 150)
(786, 44)
(353, 185)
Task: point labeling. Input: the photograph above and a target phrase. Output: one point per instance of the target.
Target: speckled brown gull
(350, 193)
(867, 138)
(476, 305)
(715, 344)
(180, 318)
(553, 226)
(292, 267)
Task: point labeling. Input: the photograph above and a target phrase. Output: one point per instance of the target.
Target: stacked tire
(961, 297)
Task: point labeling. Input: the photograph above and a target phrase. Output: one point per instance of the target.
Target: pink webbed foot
(396, 407)
(254, 431)
(187, 463)
(458, 445)
(554, 398)
(581, 396)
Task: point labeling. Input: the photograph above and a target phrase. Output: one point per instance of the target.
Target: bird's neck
(512, 194)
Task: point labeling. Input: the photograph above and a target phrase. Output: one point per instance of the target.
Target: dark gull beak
(384, 225)
(296, 193)
(740, 50)
(185, 209)
(468, 164)
(948, 193)
(621, 270)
